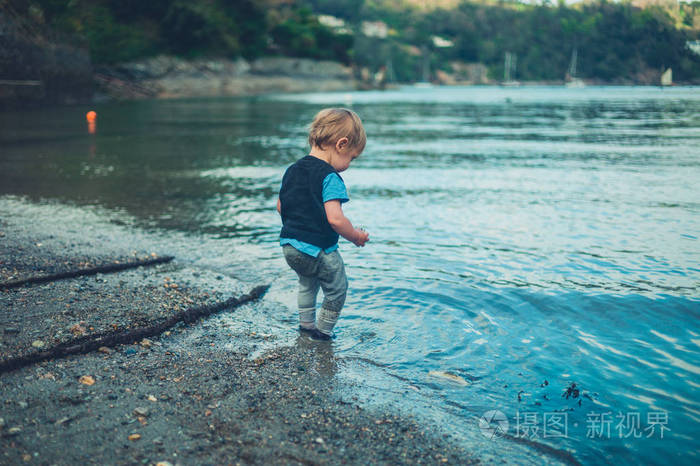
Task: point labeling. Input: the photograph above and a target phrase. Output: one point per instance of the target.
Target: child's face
(342, 161)
(343, 155)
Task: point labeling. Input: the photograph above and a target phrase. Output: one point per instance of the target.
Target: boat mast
(507, 67)
(572, 65)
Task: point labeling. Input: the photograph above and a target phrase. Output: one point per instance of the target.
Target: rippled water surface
(521, 240)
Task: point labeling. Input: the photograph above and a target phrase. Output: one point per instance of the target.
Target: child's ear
(341, 143)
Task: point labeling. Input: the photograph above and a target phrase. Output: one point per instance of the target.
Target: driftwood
(90, 343)
(107, 268)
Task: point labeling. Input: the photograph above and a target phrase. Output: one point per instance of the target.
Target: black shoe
(319, 335)
(314, 334)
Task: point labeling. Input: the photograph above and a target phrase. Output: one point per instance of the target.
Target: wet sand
(187, 396)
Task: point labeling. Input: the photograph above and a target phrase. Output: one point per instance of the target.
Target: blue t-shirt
(333, 188)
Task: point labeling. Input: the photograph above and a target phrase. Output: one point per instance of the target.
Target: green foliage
(197, 28)
(120, 30)
(300, 34)
(112, 41)
(615, 41)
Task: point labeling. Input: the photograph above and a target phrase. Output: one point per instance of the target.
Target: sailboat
(571, 79)
(667, 78)
(425, 83)
(509, 70)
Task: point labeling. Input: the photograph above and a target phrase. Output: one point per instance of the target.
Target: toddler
(310, 203)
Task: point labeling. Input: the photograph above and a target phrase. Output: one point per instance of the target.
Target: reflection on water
(522, 239)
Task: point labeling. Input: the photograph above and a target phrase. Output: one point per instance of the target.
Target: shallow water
(521, 239)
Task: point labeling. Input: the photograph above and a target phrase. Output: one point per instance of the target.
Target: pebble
(14, 431)
(38, 344)
(87, 380)
(23, 404)
(184, 405)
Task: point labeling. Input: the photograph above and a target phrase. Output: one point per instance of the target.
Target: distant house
(335, 23)
(693, 46)
(375, 29)
(331, 21)
(442, 43)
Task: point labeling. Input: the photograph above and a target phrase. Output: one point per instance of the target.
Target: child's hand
(361, 237)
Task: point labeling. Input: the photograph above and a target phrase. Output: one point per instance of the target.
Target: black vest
(301, 196)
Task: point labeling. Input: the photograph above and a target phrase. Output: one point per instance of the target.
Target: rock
(78, 330)
(282, 66)
(105, 350)
(151, 398)
(12, 431)
(130, 351)
(38, 344)
(146, 343)
(448, 376)
(2, 423)
(87, 380)
(134, 437)
(319, 440)
(141, 412)
(23, 404)
(151, 68)
(164, 463)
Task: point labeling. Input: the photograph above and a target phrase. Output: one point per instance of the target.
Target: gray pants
(326, 271)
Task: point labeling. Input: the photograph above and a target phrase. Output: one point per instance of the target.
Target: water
(521, 239)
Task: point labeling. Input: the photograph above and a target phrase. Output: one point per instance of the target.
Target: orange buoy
(91, 116)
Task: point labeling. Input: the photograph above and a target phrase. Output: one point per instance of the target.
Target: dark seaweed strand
(109, 339)
(107, 268)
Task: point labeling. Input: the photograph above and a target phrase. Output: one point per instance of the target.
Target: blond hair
(331, 124)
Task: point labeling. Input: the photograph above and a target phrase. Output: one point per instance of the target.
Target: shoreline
(290, 85)
(170, 77)
(198, 393)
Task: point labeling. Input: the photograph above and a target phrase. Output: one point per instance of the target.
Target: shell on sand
(447, 376)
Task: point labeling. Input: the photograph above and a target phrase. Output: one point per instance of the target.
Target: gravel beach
(196, 394)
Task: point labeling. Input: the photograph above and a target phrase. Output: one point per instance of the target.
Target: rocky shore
(36, 71)
(200, 393)
(170, 77)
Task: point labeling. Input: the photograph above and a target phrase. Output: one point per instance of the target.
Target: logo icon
(493, 423)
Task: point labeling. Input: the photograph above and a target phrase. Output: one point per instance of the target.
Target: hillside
(395, 41)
